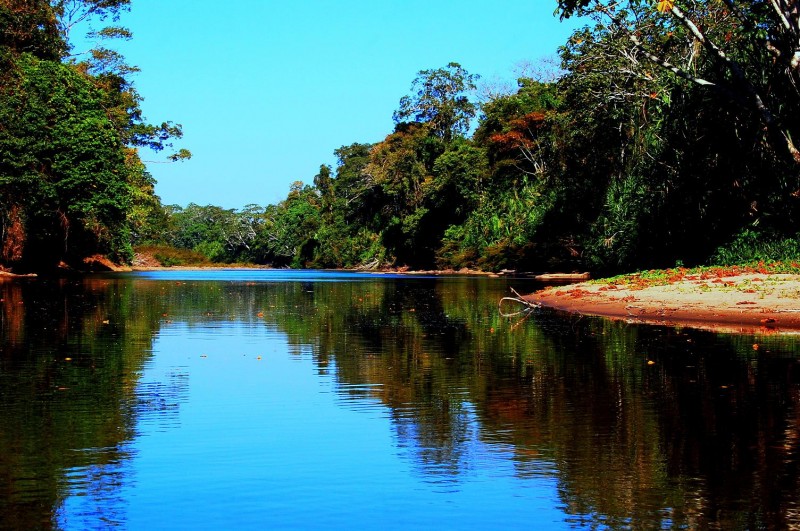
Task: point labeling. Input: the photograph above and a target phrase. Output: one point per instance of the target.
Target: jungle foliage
(668, 137)
(71, 181)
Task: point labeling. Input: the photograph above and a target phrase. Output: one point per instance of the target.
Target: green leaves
(440, 97)
(112, 32)
(73, 180)
(31, 28)
(66, 164)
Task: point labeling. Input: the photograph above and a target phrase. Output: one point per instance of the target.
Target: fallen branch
(527, 306)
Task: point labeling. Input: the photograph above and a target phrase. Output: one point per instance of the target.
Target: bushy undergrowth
(661, 277)
(750, 246)
(169, 256)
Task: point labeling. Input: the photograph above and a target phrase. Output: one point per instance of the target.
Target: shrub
(753, 246)
(169, 256)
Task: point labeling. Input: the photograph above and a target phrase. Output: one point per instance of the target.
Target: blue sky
(266, 90)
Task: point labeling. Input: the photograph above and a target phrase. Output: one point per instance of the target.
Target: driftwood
(563, 277)
(371, 266)
(527, 306)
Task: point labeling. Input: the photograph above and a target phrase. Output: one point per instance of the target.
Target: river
(252, 399)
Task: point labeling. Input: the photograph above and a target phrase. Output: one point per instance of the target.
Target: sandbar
(744, 303)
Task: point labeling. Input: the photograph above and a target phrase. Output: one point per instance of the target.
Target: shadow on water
(641, 427)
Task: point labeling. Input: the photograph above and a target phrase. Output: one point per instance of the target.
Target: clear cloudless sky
(266, 89)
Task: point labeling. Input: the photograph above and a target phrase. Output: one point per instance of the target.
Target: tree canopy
(71, 181)
(745, 52)
(667, 137)
(440, 97)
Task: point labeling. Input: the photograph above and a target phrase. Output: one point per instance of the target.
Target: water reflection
(67, 382)
(599, 423)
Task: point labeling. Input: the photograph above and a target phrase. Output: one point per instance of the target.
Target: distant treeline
(665, 137)
(650, 147)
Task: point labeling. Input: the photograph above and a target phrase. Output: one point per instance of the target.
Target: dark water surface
(260, 399)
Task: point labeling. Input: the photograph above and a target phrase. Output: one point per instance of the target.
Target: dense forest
(72, 184)
(665, 137)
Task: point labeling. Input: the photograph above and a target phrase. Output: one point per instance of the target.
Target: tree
(397, 172)
(439, 97)
(222, 235)
(747, 52)
(63, 166)
(353, 187)
(513, 127)
(72, 13)
(288, 233)
(71, 180)
(514, 172)
(323, 182)
(350, 207)
(684, 119)
(30, 26)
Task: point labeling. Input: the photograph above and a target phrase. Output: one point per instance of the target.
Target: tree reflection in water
(644, 426)
(641, 426)
(70, 396)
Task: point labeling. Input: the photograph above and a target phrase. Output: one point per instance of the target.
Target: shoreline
(730, 301)
(144, 268)
(396, 271)
(746, 303)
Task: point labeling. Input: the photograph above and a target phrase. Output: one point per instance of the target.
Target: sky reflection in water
(258, 433)
(180, 400)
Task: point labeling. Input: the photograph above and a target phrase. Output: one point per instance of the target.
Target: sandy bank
(745, 303)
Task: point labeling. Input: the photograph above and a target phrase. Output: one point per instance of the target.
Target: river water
(294, 399)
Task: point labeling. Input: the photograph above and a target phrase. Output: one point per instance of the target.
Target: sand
(745, 303)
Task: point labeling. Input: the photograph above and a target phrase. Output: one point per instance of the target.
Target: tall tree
(288, 234)
(71, 181)
(440, 97)
(323, 182)
(63, 168)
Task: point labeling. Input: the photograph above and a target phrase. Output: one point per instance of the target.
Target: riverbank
(734, 300)
(396, 270)
(148, 262)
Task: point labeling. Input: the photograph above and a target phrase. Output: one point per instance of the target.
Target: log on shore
(563, 277)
